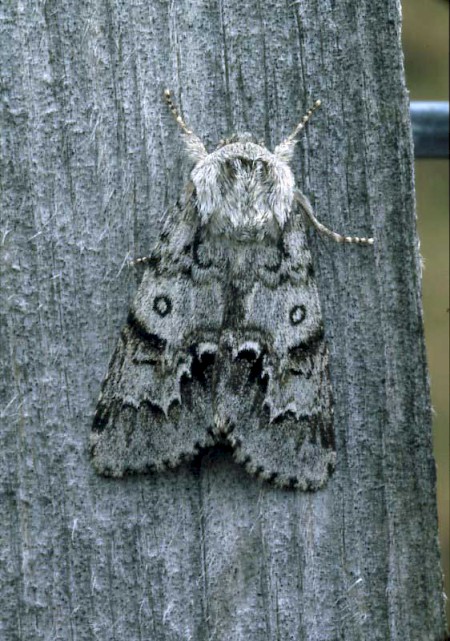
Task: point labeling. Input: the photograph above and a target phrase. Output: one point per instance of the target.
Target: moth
(224, 342)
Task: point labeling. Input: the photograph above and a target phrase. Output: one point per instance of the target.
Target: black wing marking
(155, 406)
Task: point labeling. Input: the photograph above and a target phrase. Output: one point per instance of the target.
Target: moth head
(241, 188)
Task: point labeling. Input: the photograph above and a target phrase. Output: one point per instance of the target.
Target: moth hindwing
(224, 341)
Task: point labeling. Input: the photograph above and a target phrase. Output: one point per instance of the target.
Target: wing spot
(162, 305)
(297, 314)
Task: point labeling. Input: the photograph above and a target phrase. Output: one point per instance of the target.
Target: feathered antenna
(285, 149)
(196, 148)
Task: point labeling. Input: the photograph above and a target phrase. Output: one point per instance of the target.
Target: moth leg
(140, 261)
(307, 209)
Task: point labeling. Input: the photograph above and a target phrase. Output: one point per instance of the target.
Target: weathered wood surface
(90, 160)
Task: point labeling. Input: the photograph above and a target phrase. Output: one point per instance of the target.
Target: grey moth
(224, 342)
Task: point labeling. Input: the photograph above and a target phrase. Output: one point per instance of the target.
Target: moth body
(243, 191)
(224, 341)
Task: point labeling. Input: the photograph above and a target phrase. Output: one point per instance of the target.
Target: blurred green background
(425, 44)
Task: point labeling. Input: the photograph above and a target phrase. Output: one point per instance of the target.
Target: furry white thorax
(243, 191)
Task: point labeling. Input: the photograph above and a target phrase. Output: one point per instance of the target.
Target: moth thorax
(243, 191)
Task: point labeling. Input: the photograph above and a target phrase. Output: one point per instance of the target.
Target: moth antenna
(195, 147)
(303, 121)
(176, 113)
(338, 238)
(285, 149)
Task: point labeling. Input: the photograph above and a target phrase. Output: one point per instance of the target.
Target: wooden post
(90, 159)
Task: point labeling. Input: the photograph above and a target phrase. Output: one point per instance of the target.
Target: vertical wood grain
(90, 159)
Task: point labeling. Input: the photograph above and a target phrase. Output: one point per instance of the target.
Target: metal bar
(430, 126)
